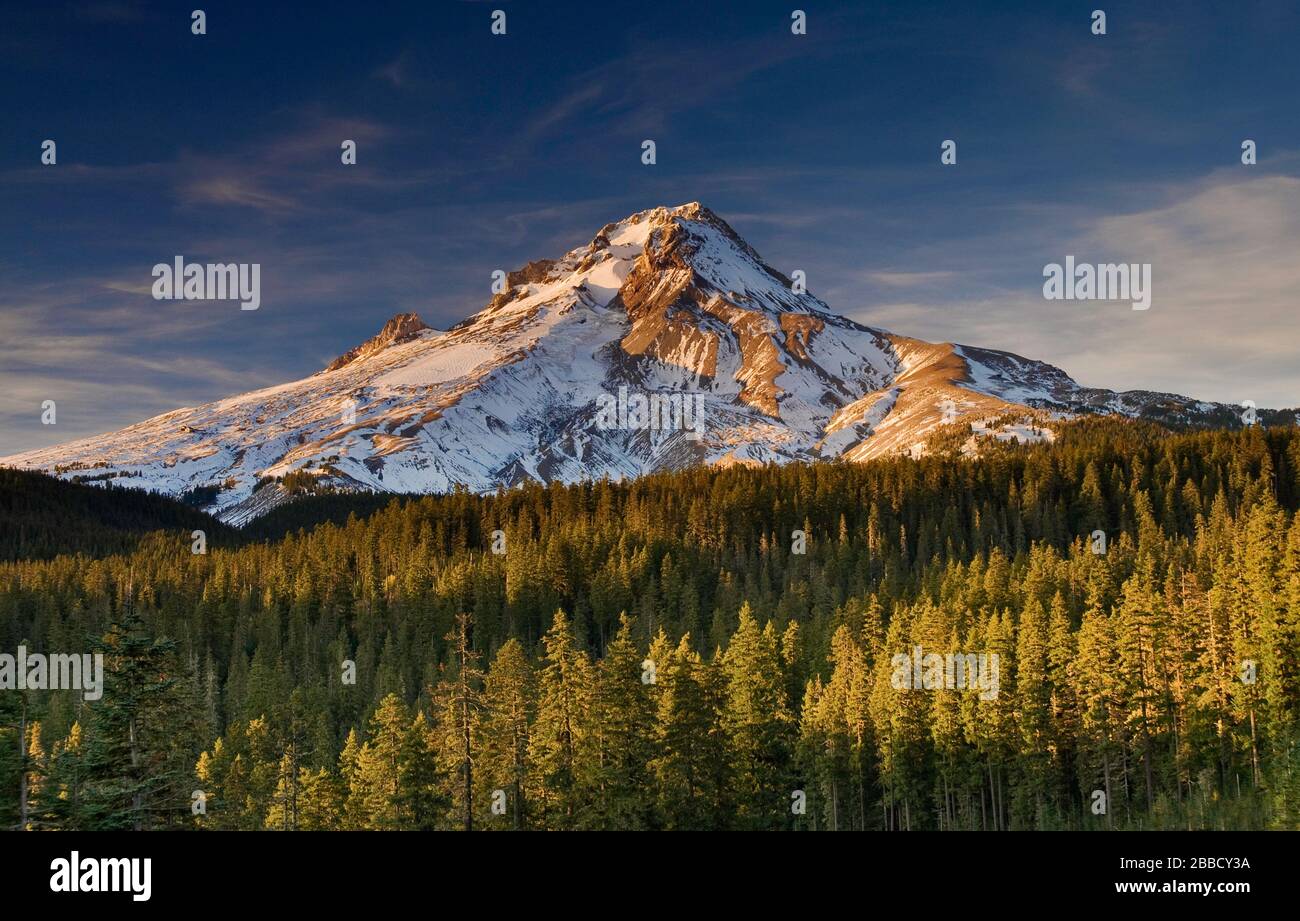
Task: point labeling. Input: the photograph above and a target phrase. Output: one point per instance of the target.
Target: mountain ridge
(666, 301)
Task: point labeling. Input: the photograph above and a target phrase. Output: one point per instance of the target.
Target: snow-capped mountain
(667, 310)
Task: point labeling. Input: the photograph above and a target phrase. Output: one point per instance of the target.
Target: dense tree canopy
(699, 649)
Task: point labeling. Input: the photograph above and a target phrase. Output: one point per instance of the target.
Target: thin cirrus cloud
(1223, 322)
(105, 368)
(908, 279)
(1225, 282)
(236, 190)
(286, 173)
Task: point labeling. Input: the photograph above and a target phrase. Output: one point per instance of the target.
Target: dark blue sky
(479, 152)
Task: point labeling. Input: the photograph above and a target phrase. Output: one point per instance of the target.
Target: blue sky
(478, 152)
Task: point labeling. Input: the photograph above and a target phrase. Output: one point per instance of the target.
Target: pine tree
(140, 741)
(622, 723)
(505, 730)
(421, 784)
(14, 766)
(66, 781)
(1096, 688)
(690, 766)
(1033, 708)
(561, 734)
(353, 815)
(36, 791)
(374, 794)
(759, 725)
(320, 800)
(459, 703)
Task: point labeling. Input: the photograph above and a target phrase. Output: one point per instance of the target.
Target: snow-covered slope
(668, 303)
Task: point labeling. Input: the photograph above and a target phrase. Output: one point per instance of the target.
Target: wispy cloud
(1224, 278)
(908, 279)
(243, 191)
(280, 175)
(630, 95)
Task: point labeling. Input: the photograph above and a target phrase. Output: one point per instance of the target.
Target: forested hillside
(702, 649)
(41, 517)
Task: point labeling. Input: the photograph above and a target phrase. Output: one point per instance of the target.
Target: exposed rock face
(400, 328)
(666, 304)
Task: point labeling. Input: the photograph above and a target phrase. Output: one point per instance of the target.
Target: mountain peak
(663, 214)
(694, 211)
(400, 328)
(666, 304)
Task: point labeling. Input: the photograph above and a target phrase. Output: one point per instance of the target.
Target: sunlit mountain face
(664, 342)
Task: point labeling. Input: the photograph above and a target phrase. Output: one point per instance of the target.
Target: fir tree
(561, 735)
(759, 724)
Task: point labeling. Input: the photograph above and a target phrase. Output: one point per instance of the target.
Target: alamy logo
(213, 281)
(58, 672)
(103, 874)
(1109, 281)
(660, 412)
(930, 671)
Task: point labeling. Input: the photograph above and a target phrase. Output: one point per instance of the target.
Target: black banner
(942, 871)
